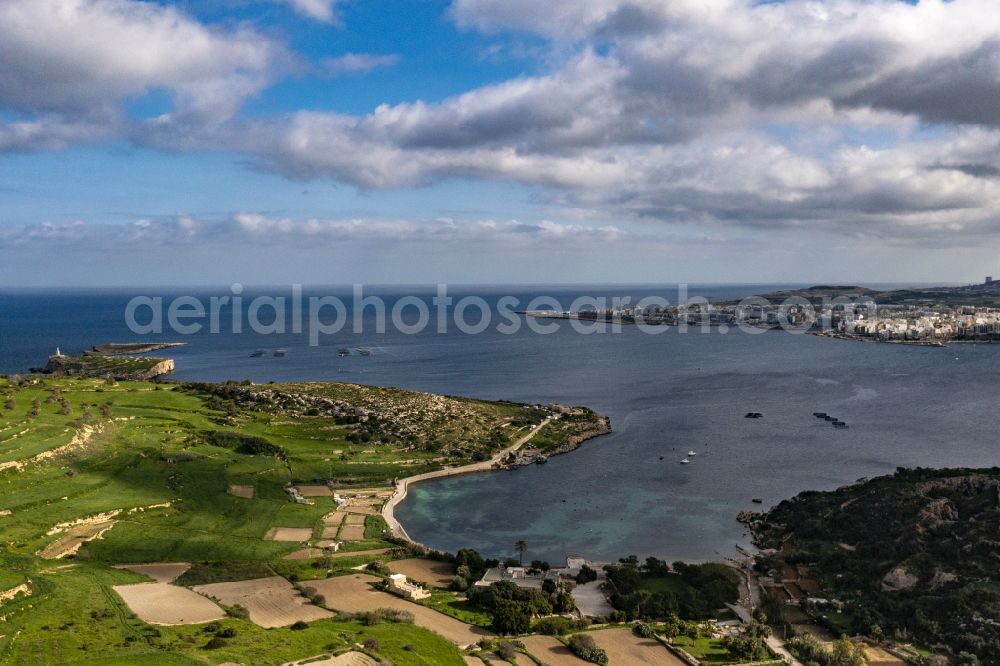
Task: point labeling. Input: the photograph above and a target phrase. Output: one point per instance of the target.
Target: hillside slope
(916, 553)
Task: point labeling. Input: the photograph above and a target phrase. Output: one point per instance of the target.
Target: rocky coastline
(601, 426)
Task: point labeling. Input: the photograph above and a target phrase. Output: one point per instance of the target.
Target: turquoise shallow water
(665, 394)
(906, 406)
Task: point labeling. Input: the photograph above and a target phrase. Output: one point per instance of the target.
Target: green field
(460, 609)
(78, 619)
(712, 651)
(158, 460)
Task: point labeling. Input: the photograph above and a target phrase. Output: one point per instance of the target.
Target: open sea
(665, 394)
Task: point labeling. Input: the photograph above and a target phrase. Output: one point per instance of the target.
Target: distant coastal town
(931, 317)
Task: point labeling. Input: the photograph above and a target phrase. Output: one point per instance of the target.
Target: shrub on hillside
(558, 625)
(238, 612)
(506, 650)
(585, 648)
(643, 630)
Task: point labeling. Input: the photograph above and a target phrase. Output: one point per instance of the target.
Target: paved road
(778, 647)
(591, 600)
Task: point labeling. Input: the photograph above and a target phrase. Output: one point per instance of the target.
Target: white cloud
(53, 133)
(69, 65)
(79, 54)
(871, 118)
(573, 19)
(256, 248)
(693, 112)
(321, 10)
(351, 63)
(246, 228)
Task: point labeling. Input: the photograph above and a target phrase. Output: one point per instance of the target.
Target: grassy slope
(59, 629)
(151, 450)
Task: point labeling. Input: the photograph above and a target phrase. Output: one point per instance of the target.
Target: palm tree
(521, 546)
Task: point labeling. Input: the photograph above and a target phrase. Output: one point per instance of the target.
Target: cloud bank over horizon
(767, 125)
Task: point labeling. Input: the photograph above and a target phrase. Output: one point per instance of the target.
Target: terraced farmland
(109, 488)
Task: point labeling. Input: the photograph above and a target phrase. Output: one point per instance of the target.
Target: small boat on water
(839, 424)
(691, 454)
(829, 418)
(757, 500)
(541, 460)
(685, 462)
(820, 415)
(257, 354)
(753, 415)
(343, 351)
(365, 351)
(280, 352)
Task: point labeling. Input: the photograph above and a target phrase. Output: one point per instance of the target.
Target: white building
(399, 586)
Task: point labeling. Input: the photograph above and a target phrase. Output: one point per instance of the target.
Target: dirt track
(354, 594)
(305, 554)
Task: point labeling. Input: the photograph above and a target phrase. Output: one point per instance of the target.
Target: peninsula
(115, 367)
(124, 348)
(227, 522)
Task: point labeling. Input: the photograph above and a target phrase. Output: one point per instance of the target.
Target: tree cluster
(696, 590)
(511, 607)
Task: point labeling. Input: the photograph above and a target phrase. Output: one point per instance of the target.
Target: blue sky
(117, 181)
(313, 141)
